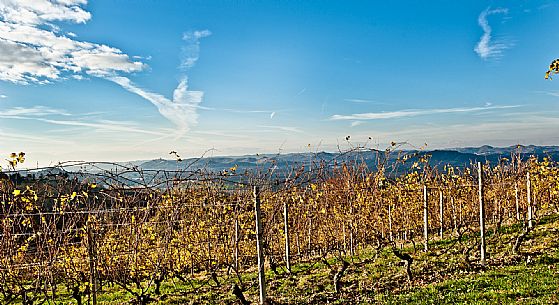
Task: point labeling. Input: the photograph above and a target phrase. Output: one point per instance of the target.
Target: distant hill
(280, 166)
(262, 162)
(490, 150)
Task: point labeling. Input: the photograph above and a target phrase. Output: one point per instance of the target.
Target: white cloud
(36, 12)
(182, 110)
(525, 128)
(282, 128)
(36, 111)
(412, 113)
(104, 125)
(3, 96)
(301, 92)
(196, 35)
(270, 112)
(551, 93)
(191, 52)
(47, 114)
(32, 50)
(486, 48)
(359, 101)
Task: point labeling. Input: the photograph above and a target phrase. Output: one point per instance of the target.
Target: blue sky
(125, 80)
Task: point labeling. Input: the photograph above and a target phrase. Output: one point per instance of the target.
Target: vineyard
(71, 235)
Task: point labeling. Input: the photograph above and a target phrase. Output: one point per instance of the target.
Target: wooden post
(481, 212)
(390, 222)
(461, 214)
(259, 250)
(441, 213)
(237, 242)
(529, 197)
(209, 263)
(92, 267)
(286, 232)
(454, 221)
(344, 235)
(425, 219)
(517, 201)
(350, 226)
(309, 241)
(298, 243)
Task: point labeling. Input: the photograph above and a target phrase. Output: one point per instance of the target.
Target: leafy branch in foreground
(553, 69)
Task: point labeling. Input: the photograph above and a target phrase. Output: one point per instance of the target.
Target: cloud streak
(191, 52)
(524, 129)
(363, 101)
(36, 111)
(413, 113)
(282, 128)
(486, 48)
(181, 110)
(46, 114)
(104, 125)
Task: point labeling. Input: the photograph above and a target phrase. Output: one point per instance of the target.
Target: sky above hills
(124, 80)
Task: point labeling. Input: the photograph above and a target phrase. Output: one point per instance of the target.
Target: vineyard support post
(516, 199)
(481, 212)
(92, 267)
(425, 219)
(259, 249)
(391, 234)
(441, 213)
(236, 242)
(286, 231)
(529, 198)
(454, 217)
(309, 241)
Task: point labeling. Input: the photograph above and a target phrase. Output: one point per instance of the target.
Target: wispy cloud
(486, 48)
(18, 136)
(191, 51)
(105, 125)
(59, 117)
(282, 128)
(413, 113)
(35, 111)
(271, 113)
(300, 92)
(363, 101)
(181, 110)
(3, 96)
(551, 93)
(523, 129)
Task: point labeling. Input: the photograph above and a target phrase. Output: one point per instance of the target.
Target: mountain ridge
(460, 156)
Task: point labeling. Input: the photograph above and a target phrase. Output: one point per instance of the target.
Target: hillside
(459, 157)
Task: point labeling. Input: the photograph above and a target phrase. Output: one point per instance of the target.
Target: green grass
(532, 284)
(441, 276)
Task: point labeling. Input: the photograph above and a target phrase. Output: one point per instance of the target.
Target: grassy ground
(444, 275)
